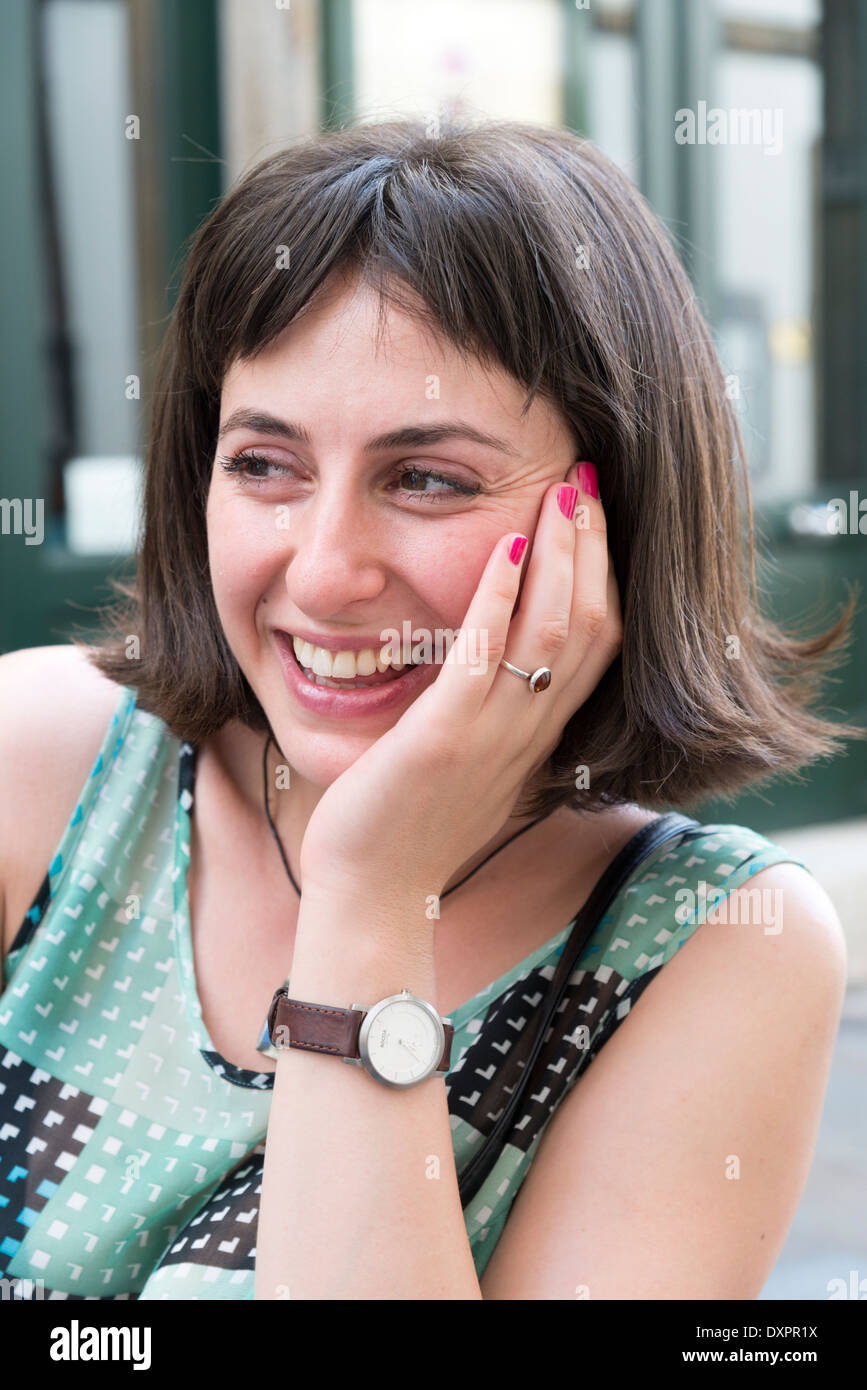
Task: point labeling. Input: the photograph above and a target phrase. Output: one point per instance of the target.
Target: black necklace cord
(455, 886)
(523, 829)
(268, 742)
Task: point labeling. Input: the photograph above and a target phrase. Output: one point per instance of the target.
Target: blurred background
(124, 121)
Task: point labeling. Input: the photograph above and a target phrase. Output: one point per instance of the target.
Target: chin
(319, 758)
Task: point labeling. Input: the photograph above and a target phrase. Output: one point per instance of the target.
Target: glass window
(489, 59)
(613, 110)
(91, 296)
(767, 209)
(797, 14)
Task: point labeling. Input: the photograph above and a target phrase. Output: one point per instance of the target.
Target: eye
(424, 484)
(443, 488)
(241, 466)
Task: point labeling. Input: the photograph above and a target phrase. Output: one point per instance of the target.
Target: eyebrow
(409, 436)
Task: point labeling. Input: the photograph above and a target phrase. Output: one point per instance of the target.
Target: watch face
(402, 1039)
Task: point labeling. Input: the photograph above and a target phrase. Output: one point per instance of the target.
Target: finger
(590, 620)
(571, 693)
(541, 631)
(590, 600)
(468, 671)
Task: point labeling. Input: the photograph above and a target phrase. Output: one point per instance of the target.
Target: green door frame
(49, 593)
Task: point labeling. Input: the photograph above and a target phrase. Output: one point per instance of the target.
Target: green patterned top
(131, 1152)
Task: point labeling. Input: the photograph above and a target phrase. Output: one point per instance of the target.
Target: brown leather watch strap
(326, 1028)
(446, 1060)
(315, 1027)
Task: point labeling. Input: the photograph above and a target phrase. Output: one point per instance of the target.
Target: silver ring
(539, 680)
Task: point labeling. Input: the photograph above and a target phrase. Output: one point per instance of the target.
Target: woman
(416, 388)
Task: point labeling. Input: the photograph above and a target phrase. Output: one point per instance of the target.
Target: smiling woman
(433, 416)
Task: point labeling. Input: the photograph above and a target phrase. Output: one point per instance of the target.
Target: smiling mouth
(304, 652)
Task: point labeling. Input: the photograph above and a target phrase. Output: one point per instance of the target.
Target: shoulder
(53, 701)
(716, 873)
(693, 1130)
(734, 916)
(750, 882)
(55, 708)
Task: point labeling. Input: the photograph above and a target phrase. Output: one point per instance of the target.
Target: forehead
(346, 352)
(347, 324)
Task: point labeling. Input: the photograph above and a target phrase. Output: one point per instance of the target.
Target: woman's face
(340, 534)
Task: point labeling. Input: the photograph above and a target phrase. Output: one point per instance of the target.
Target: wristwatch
(400, 1041)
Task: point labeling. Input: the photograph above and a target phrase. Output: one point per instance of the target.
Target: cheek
(444, 569)
(242, 552)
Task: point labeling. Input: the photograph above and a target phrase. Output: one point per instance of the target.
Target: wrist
(353, 901)
(360, 944)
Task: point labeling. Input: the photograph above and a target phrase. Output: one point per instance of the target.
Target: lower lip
(359, 700)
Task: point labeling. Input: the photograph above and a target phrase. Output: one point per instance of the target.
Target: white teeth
(322, 662)
(343, 665)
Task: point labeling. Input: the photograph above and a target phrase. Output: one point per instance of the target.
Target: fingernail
(566, 499)
(517, 548)
(587, 479)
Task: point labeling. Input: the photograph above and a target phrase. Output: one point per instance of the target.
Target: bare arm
(55, 710)
(360, 1196)
(675, 1167)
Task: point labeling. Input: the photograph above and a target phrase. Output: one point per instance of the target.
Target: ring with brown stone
(539, 680)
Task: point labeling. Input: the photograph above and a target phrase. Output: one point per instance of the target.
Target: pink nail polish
(517, 548)
(587, 479)
(566, 499)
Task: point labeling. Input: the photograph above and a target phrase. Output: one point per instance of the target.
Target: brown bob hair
(530, 249)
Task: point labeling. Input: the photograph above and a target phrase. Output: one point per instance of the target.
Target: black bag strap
(642, 844)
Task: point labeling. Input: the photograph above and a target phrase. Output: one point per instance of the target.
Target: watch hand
(410, 1050)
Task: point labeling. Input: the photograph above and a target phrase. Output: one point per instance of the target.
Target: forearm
(360, 1196)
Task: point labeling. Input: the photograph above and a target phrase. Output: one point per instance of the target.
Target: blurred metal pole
(61, 405)
(577, 37)
(337, 63)
(151, 253)
(842, 358)
(677, 41)
(190, 121)
(23, 319)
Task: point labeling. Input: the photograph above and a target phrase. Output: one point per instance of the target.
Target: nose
(337, 552)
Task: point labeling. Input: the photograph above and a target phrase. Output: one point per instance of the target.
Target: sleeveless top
(131, 1152)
